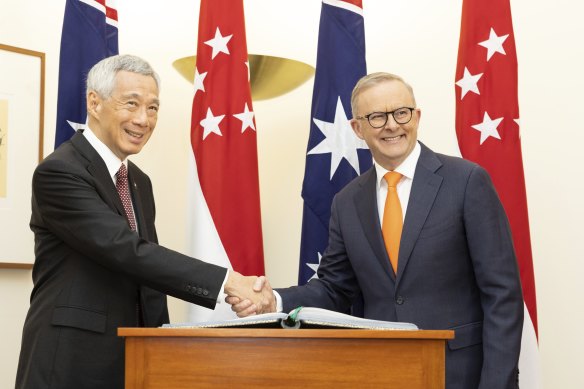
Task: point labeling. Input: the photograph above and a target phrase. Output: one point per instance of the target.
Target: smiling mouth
(391, 138)
(134, 134)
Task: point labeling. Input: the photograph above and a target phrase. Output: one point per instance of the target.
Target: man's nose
(391, 124)
(141, 116)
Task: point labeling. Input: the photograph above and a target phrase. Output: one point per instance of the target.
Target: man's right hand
(249, 295)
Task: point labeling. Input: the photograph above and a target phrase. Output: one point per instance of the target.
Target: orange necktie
(392, 219)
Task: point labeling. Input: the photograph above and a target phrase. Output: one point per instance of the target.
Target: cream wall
(551, 56)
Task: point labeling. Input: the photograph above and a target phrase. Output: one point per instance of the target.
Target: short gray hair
(101, 77)
(373, 79)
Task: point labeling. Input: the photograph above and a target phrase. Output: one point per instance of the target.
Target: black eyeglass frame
(387, 116)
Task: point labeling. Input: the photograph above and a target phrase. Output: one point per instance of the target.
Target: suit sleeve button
(205, 292)
(400, 300)
(199, 290)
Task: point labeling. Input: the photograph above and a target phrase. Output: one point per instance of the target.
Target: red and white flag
(488, 131)
(225, 222)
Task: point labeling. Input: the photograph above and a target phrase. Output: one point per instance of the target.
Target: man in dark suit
(456, 267)
(98, 265)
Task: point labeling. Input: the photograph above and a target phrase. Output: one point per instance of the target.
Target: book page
(264, 320)
(322, 317)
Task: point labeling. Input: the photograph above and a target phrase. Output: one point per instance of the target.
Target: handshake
(249, 295)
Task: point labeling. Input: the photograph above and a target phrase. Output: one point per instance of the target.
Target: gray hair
(372, 79)
(101, 77)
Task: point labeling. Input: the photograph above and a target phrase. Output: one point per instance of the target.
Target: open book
(305, 317)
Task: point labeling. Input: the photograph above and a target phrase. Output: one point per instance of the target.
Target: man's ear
(93, 104)
(356, 126)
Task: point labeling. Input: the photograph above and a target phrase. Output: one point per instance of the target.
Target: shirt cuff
(279, 304)
(221, 295)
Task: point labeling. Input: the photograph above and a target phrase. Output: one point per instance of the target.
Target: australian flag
(334, 155)
(90, 34)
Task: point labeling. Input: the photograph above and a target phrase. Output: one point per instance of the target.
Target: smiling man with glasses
(385, 118)
(424, 239)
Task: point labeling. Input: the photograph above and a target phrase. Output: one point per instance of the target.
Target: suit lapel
(424, 190)
(97, 168)
(366, 204)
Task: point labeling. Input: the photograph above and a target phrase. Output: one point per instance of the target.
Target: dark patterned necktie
(124, 192)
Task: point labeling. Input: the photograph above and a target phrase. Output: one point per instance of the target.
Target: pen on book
(292, 319)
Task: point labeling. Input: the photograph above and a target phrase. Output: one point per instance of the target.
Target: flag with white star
(90, 34)
(334, 155)
(224, 203)
(487, 127)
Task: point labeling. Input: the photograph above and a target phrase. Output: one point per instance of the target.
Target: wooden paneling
(248, 358)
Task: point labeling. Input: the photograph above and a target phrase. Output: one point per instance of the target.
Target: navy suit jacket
(91, 272)
(456, 268)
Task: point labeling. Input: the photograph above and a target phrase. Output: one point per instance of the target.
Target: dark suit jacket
(91, 272)
(456, 269)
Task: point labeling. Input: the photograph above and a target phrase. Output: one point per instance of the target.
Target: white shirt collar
(112, 162)
(407, 168)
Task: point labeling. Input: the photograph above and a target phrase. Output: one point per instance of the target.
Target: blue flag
(90, 34)
(334, 155)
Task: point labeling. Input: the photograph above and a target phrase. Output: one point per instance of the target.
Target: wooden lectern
(175, 358)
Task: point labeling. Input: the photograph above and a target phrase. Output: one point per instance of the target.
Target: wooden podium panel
(176, 358)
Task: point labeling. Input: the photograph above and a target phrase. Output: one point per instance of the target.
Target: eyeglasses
(379, 119)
